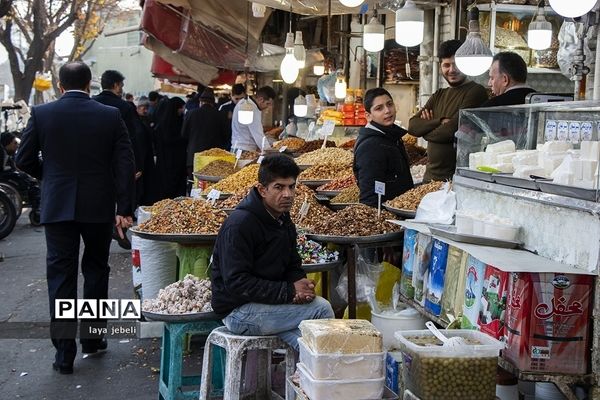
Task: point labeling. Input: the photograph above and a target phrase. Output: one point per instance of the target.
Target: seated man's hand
(305, 291)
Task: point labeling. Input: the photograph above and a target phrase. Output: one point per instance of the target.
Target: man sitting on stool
(258, 283)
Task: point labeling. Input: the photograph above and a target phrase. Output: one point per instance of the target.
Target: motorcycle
(24, 191)
(8, 215)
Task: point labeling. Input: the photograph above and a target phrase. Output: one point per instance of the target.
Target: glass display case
(552, 147)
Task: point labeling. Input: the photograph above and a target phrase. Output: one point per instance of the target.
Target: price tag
(195, 193)
(550, 132)
(304, 208)
(238, 155)
(562, 130)
(326, 131)
(380, 190)
(575, 132)
(282, 149)
(235, 145)
(260, 159)
(213, 196)
(262, 146)
(586, 131)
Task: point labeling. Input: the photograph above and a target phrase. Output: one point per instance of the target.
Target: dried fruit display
(325, 171)
(160, 205)
(249, 155)
(312, 145)
(415, 153)
(218, 168)
(329, 155)
(315, 211)
(215, 152)
(190, 295)
(348, 195)
(348, 145)
(243, 179)
(338, 184)
(233, 200)
(356, 220)
(410, 200)
(292, 144)
(186, 216)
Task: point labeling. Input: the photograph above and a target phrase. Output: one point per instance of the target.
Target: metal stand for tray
(350, 245)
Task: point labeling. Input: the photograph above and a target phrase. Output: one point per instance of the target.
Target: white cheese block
(550, 164)
(525, 170)
(564, 178)
(506, 158)
(506, 146)
(577, 169)
(588, 169)
(524, 158)
(504, 167)
(488, 159)
(475, 160)
(346, 336)
(556, 145)
(590, 150)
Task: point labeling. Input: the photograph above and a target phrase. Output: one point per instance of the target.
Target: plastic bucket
(388, 323)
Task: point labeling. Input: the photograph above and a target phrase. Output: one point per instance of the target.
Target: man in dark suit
(86, 166)
(205, 128)
(508, 75)
(112, 83)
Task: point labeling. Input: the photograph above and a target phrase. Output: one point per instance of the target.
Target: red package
(361, 122)
(348, 108)
(547, 322)
(349, 121)
(493, 302)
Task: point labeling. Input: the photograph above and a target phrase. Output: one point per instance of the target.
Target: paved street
(127, 371)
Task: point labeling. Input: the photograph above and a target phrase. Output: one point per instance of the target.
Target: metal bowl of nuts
(184, 317)
(400, 212)
(315, 183)
(381, 238)
(184, 238)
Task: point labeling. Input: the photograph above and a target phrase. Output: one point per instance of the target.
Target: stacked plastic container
(341, 360)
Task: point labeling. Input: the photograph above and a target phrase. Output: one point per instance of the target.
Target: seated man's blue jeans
(254, 319)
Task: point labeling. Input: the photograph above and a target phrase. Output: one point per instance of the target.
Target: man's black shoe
(64, 369)
(94, 348)
(123, 243)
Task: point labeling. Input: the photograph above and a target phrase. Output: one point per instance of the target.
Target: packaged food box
(393, 369)
(342, 389)
(493, 302)
(421, 266)
(474, 276)
(547, 322)
(342, 366)
(454, 284)
(348, 336)
(435, 372)
(437, 270)
(408, 262)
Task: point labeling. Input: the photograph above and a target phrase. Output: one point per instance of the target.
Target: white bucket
(389, 321)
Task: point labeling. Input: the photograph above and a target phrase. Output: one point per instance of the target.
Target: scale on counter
(535, 98)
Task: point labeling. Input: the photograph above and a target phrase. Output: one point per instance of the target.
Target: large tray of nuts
(400, 212)
(329, 193)
(208, 178)
(185, 317)
(385, 237)
(315, 183)
(340, 206)
(183, 238)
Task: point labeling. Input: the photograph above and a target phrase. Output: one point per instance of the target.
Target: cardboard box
(547, 322)
(437, 271)
(474, 277)
(493, 302)
(393, 370)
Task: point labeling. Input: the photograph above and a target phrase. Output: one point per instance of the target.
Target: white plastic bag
(438, 207)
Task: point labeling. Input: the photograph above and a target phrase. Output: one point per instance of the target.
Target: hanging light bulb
(319, 68)
(289, 64)
(409, 25)
(340, 87)
(539, 34)
(351, 3)
(300, 106)
(246, 112)
(299, 50)
(473, 58)
(572, 9)
(373, 36)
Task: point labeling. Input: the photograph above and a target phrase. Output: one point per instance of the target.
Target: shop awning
(164, 70)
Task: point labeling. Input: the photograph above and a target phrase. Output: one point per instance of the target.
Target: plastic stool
(235, 346)
(171, 382)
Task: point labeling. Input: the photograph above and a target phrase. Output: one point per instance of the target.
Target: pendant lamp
(300, 106)
(539, 34)
(299, 50)
(572, 8)
(351, 3)
(409, 25)
(373, 36)
(289, 64)
(340, 87)
(246, 112)
(473, 58)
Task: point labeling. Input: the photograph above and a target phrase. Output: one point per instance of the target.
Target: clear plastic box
(342, 366)
(437, 372)
(342, 389)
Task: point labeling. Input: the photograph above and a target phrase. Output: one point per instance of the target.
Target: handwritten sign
(380, 190)
(260, 159)
(326, 131)
(586, 131)
(562, 130)
(574, 131)
(213, 196)
(262, 146)
(550, 131)
(304, 208)
(238, 155)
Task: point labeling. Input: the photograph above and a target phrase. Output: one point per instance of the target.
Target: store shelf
(535, 70)
(563, 382)
(424, 312)
(514, 8)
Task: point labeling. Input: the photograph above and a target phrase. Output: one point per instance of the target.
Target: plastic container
(464, 224)
(437, 372)
(500, 231)
(343, 389)
(388, 324)
(342, 366)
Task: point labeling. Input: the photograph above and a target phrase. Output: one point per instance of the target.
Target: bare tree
(38, 23)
